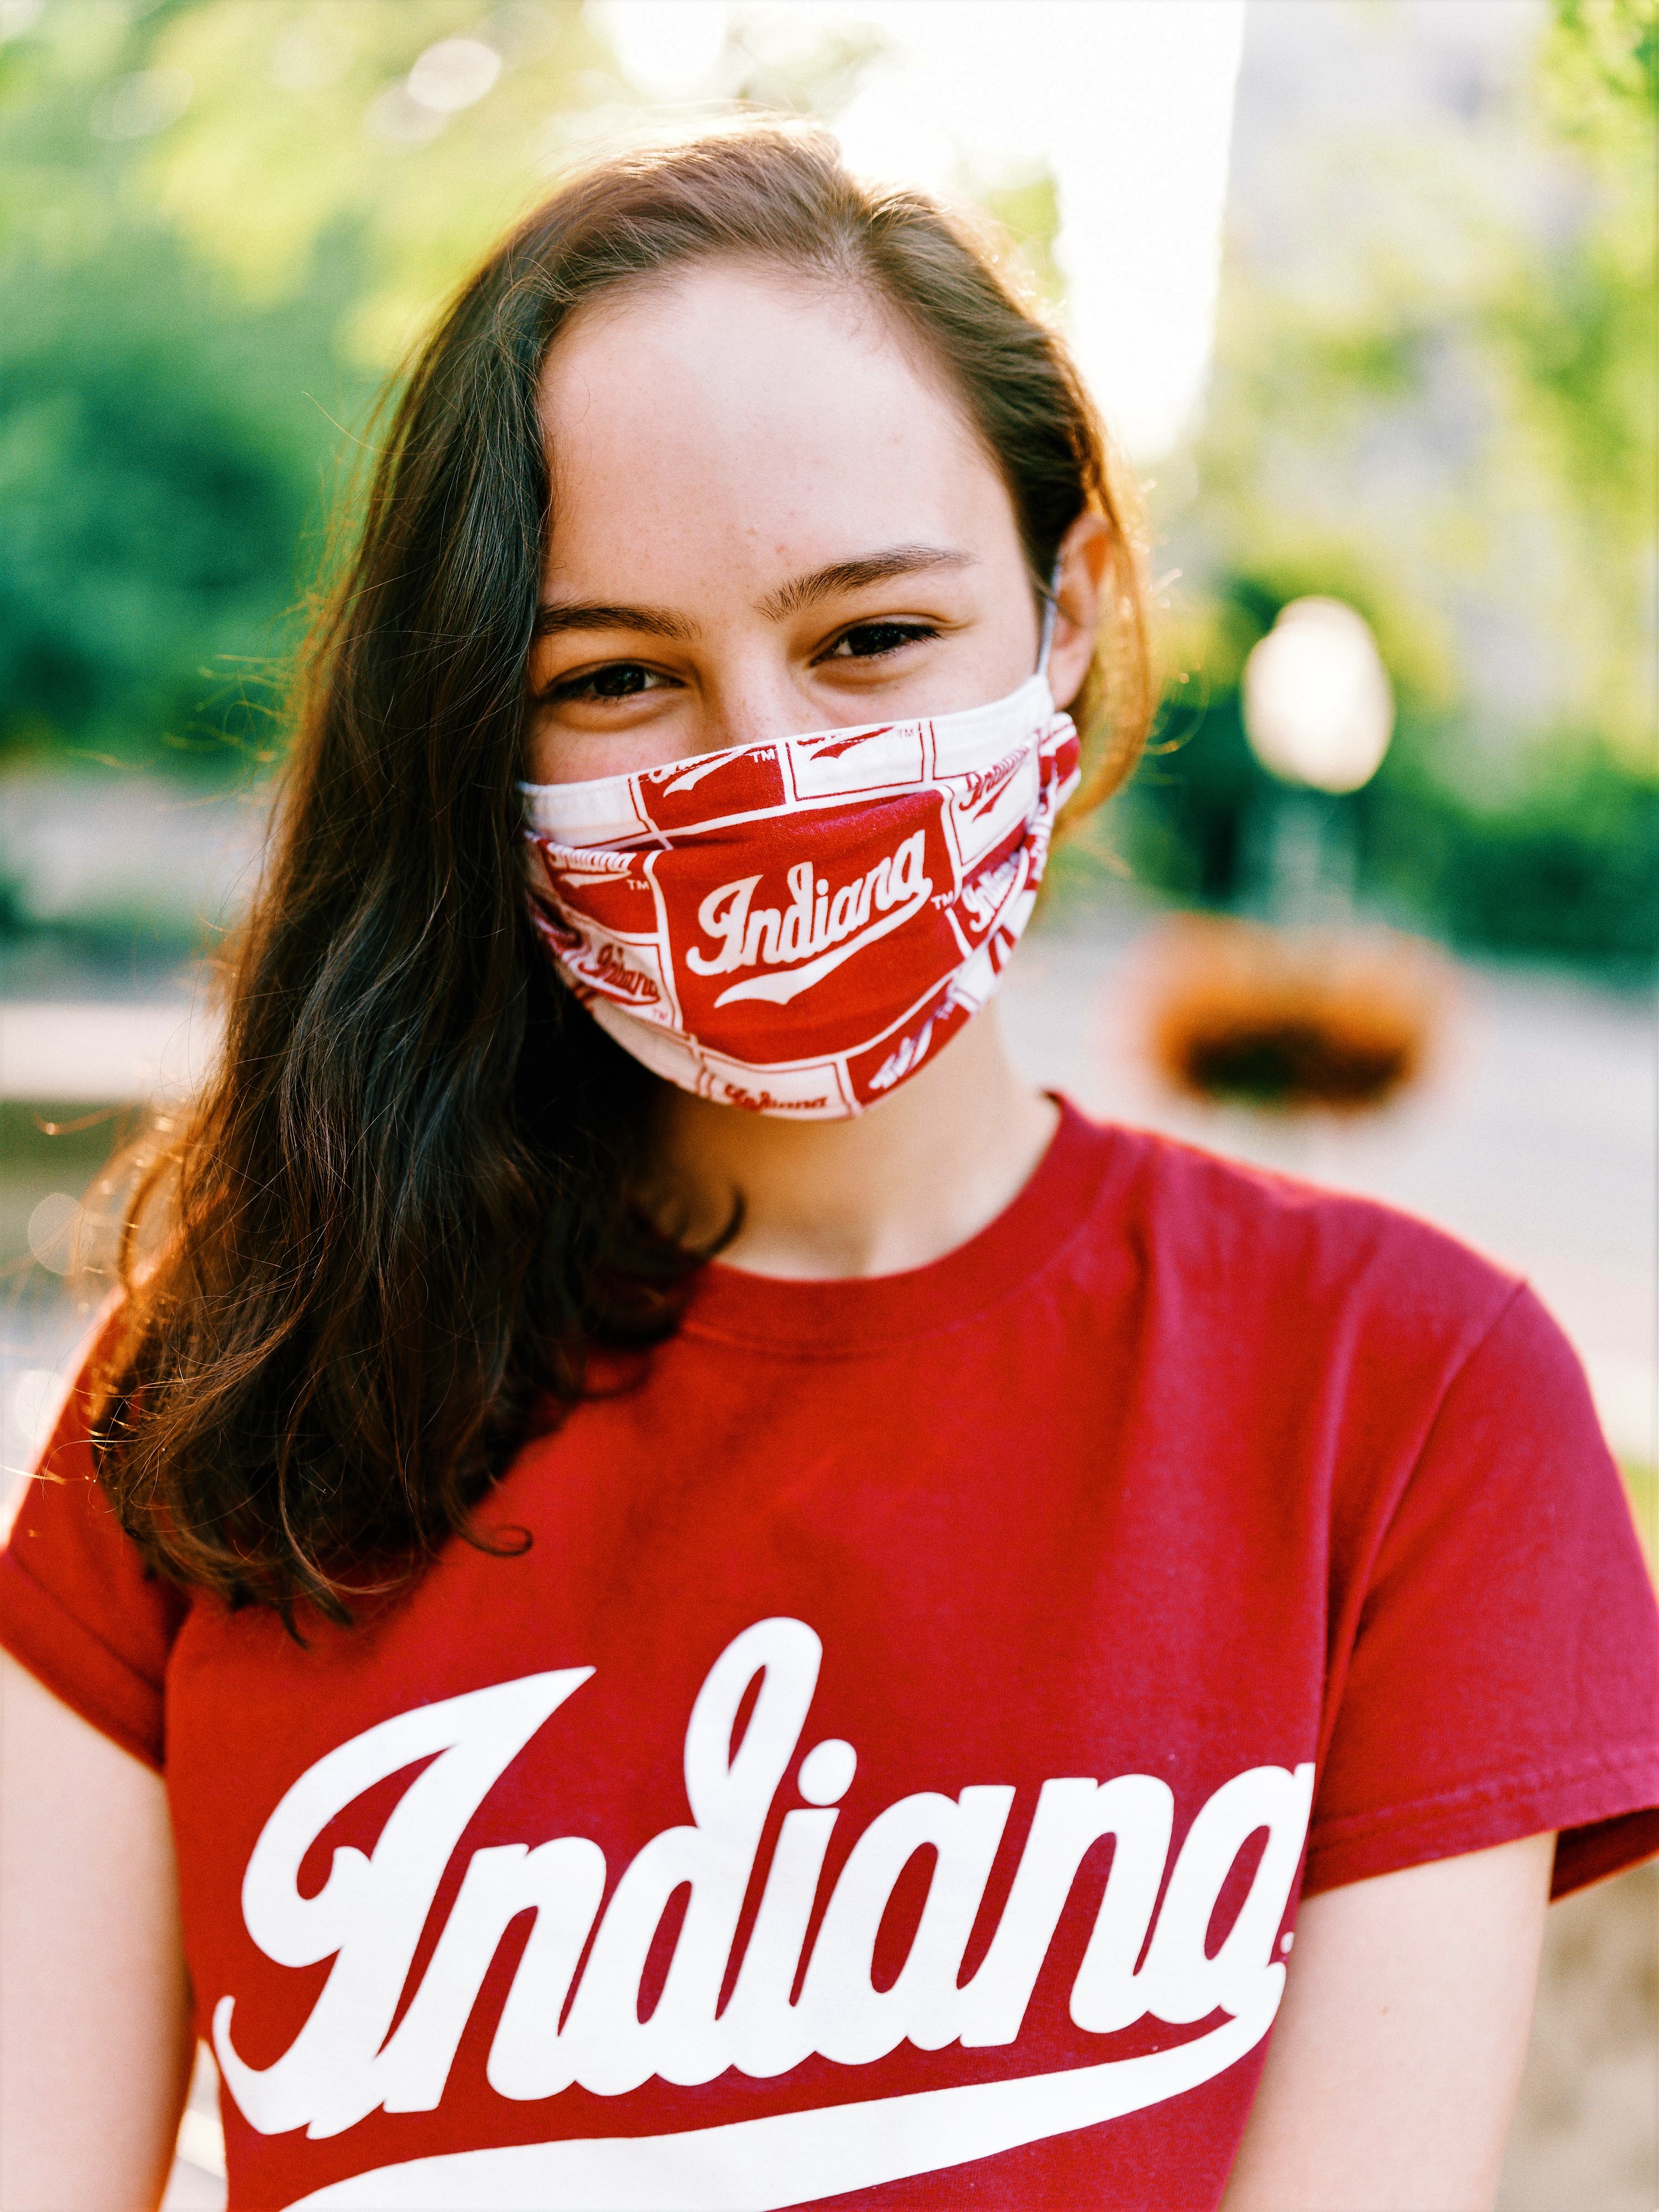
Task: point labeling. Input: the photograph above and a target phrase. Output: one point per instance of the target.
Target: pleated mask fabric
(796, 927)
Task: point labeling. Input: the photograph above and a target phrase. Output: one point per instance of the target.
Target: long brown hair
(401, 1215)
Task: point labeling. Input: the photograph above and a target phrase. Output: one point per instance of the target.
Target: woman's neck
(893, 1189)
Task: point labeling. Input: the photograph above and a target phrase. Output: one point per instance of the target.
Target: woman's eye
(618, 679)
(869, 640)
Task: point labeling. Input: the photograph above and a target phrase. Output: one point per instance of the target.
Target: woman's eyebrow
(655, 622)
(799, 591)
(848, 575)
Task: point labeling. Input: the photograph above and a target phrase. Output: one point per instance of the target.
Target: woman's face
(768, 517)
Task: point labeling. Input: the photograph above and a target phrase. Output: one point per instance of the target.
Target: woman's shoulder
(1263, 1247)
(78, 1606)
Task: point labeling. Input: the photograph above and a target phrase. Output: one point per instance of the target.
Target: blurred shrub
(1568, 870)
(1561, 863)
(165, 441)
(158, 465)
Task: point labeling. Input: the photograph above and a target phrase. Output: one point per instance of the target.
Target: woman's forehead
(739, 404)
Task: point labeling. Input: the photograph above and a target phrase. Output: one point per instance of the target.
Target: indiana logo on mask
(795, 926)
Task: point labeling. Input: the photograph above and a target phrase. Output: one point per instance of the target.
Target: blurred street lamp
(1313, 1013)
(1318, 708)
(1318, 712)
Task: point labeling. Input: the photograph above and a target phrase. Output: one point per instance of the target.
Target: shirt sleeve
(78, 1607)
(1504, 1678)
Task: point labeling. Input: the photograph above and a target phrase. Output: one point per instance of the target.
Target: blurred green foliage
(332, 142)
(1601, 68)
(167, 444)
(1567, 870)
(222, 223)
(161, 469)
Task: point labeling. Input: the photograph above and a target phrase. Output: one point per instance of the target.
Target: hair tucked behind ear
(401, 1214)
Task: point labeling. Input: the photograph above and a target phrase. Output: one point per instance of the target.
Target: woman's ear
(1084, 560)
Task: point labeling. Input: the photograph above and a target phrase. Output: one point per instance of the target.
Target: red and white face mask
(795, 926)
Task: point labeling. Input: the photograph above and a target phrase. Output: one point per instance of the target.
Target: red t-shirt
(902, 1728)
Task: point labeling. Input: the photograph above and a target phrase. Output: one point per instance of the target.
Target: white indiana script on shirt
(369, 1915)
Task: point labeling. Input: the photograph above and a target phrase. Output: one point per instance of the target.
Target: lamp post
(1289, 1019)
(1319, 714)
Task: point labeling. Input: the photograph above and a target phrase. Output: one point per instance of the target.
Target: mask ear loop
(1050, 609)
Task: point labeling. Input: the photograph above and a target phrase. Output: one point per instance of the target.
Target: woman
(578, 1721)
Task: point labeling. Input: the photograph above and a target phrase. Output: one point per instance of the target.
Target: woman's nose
(757, 702)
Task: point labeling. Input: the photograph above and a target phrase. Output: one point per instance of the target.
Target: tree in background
(417, 131)
(165, 441)
(224, 223)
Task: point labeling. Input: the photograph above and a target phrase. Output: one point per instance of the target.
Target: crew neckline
(852, 1313)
